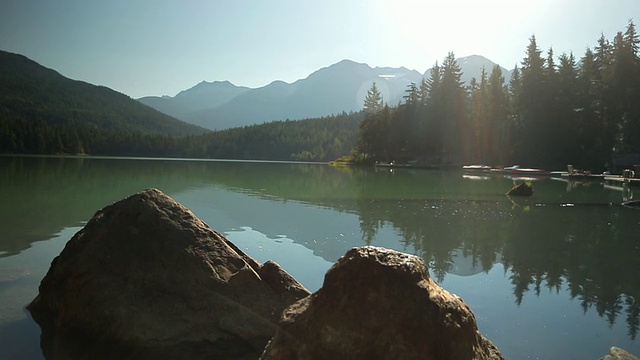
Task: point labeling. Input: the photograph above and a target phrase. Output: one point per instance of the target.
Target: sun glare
(465, 27)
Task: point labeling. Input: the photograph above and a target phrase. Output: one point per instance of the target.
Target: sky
(161, 47)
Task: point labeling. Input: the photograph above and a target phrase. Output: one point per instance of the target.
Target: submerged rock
(377, 303)
(145, 278)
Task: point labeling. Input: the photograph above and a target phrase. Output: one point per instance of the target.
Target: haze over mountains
(338, 88)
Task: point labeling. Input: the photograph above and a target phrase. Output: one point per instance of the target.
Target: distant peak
(216, 82)
(347, 62)
(278, 83)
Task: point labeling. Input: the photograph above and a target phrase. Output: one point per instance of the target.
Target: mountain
(472, 68)
(332, 90)
(205, 95)
(338, 88)
(30, 92)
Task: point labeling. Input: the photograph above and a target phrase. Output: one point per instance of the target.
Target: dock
(619, 180)
(584, 176)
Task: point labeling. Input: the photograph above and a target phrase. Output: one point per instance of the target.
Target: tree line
(551, 112)
(318, 139)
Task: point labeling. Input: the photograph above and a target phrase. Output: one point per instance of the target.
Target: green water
(553, 276)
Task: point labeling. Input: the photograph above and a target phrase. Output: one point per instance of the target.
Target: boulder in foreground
(377, 303)
(146, 279)
(616, 353)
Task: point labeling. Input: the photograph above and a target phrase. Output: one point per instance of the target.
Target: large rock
(145, 278)
(522, 189)
(616, 353)
(377, 303)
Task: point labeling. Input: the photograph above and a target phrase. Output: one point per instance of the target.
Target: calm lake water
(554, 276)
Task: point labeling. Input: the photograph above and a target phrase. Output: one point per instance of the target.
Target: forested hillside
(555, 111)
(42, 111)
(320, 139)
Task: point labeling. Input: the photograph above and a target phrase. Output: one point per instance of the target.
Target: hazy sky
(159, 47)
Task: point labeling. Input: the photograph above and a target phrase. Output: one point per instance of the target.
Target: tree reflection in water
(591, 249)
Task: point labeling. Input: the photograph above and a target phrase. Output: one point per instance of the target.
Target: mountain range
(31, 93)
(338, 88)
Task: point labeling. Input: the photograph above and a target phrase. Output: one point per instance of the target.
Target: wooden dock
(619, 180)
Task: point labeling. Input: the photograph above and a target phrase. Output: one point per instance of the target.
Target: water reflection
(43, 195)
(574, 235)
(580, 239)
(303, 266)
(571, 237)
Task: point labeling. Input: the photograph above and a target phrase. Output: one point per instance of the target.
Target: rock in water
(522, 189)
(616, 353)
(147, 279)
(377, 303)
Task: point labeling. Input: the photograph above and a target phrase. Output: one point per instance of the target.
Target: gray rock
(616, 353)
(145, 278)
(377, 303)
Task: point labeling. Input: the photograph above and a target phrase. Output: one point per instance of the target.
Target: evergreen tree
(533, 103)
(484, 131)
(374, 128)
(424, 93)
(478, 118)
(515, 84)
(631, 39)
(424, 119)
(453, 97)
(566, 137)
(626, 82)
(497, 113)
(433, 110)
(592, 135)
(373, 101)
(410, 123)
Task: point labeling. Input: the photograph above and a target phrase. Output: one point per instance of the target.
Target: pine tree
(631, 39)
(591, 135)
(566, 125)
(478, 119)
(623, 82)
(498, 113)
(456, 132)
(374, 127)
(433, 111)
(410, 124)
(532, 101)
(373, 101)
(515, 85)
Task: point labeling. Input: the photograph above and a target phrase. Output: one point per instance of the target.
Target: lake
(553, 276)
